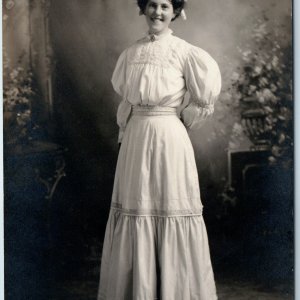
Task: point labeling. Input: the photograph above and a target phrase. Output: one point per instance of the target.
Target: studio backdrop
(60, 136)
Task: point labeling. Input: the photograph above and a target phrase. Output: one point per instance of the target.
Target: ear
(175, 14)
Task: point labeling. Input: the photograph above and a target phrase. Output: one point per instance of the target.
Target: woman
(156, 243)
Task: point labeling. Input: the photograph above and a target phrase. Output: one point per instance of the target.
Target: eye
(152, 5)
(165, 6)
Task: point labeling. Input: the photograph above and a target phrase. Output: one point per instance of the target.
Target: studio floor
(231, 290)
(84, 285)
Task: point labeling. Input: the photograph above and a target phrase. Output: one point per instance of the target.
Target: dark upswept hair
(177, 6)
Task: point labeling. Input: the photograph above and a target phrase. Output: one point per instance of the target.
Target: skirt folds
(146, 258)
(156, 171)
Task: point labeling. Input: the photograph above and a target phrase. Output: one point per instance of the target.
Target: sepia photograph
(148, 149)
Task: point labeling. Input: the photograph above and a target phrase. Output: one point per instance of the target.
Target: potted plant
(260, 101)
(263, 90)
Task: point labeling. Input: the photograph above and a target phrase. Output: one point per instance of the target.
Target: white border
(1, 176)
(296, 85)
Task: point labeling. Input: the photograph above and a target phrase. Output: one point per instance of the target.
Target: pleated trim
(156, 212)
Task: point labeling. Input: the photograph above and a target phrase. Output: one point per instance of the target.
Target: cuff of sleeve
(195, 113)
(120, 136)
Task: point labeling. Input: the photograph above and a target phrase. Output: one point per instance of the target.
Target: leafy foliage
(263, 86)
(17, 97)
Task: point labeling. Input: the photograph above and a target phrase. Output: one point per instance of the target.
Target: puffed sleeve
(118, 82)
(203, 82)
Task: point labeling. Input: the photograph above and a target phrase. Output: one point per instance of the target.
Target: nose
(158, 10)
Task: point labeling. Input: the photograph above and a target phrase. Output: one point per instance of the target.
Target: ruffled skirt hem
(152, 257)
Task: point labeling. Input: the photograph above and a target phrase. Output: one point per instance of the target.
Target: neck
(165, 31)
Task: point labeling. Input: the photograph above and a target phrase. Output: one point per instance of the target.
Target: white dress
(156, 244)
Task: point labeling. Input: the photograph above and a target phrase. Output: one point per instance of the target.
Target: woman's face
(159, 14)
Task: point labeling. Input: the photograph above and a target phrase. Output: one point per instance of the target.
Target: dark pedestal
(264, 212)
(31, 175)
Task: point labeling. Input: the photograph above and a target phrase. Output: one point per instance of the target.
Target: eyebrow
(165, 3)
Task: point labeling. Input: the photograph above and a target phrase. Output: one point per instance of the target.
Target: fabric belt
(153, 110)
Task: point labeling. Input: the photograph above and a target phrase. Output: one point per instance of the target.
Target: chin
(156, 29)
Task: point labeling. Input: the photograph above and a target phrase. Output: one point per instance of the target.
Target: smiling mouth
(156, 19)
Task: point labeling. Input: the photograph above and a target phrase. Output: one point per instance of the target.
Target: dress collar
(154, 37)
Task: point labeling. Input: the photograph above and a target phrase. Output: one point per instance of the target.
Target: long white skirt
(156, 244)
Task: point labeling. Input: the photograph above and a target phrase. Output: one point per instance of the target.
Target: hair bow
(182, 13)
